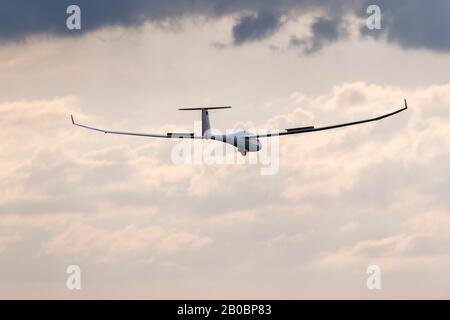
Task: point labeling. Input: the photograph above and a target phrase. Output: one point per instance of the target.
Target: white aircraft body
(244, 141)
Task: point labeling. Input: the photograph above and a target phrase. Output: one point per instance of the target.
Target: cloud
(255, 27)
(257, 21)
(324, 32)
(21, 18)
(6, 241)
(341, 200)
(178, 240)
(370, 249)
(414, 24)
(98, 245)
(422, 240)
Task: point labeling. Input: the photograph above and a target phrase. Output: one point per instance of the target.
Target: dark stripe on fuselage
(180, 135)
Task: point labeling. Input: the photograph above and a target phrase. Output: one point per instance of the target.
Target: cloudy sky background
(140, 226)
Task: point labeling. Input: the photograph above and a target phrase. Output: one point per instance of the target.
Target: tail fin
(206, 126)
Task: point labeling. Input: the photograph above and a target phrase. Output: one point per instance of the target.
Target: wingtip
(406, 104)
(71, 117)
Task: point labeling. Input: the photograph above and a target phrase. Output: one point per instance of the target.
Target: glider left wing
(169, 135)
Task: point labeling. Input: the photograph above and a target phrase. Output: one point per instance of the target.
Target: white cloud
(341, 199)
(99, 245)
(8, 240)
(177, 241)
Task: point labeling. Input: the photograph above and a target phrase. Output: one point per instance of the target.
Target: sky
(141, 226)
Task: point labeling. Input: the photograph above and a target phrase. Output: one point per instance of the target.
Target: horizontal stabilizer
(205, 108)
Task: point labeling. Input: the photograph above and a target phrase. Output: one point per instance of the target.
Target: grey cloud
(256, 27)
(22, 18)
(258, 20)
(414, 23)
(324, 31)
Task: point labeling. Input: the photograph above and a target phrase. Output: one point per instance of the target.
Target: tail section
(206, 126)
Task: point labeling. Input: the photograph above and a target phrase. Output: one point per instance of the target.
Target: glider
(244, 141)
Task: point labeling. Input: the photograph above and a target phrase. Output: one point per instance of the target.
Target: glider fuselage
(243, 140)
